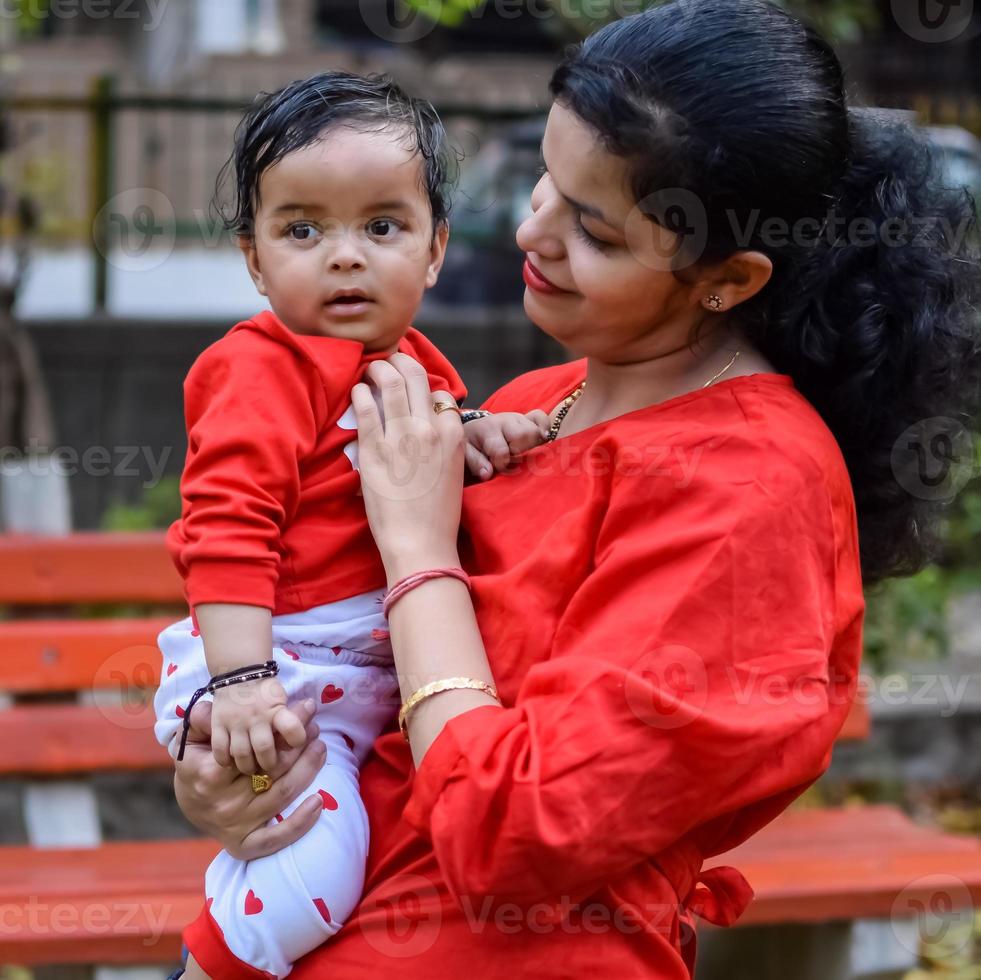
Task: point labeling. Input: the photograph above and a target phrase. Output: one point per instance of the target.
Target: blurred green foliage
(907, 618)
(159, 508)
(840, 20)
(28, 16)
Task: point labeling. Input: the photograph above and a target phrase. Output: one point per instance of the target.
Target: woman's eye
(382, 228)
(301, 232)
(591, 240)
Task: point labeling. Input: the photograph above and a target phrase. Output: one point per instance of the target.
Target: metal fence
(112, 171)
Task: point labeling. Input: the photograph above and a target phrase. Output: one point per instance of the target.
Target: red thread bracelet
(408, 583)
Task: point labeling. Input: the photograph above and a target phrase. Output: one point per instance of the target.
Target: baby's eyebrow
(392, 204)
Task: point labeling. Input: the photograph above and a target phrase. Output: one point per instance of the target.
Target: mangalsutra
(553, 429)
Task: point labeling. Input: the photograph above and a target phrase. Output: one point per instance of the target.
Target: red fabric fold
(720, 895)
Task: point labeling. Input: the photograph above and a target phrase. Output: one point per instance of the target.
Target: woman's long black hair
(873, 307)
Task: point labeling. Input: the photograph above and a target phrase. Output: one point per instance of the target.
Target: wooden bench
(127, 902)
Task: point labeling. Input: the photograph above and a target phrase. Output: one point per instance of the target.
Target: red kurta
(272, 510)
(671, 604)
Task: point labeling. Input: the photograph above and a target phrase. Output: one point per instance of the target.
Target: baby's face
(346, 215)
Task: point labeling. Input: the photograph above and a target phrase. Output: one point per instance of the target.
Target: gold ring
(445, 407)
(261, 782)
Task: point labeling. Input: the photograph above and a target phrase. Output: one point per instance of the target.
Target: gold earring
(715, 302)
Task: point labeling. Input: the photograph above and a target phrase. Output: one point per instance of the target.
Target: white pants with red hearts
(274, 909)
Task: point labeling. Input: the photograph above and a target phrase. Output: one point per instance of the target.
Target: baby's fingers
(221, 745)
(496, 450)
(290, 727)
(263, 745)
(477, 462)
(522, 434)
(241, 749)
(541, 419)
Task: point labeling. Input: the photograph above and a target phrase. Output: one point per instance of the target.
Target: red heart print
(350, 741)
(290, 653)
(279, 818)
(180, 711)
(253, 904)
(171, 668)
(322, 908)
(336, 651)
(331, 693)
(329, 802)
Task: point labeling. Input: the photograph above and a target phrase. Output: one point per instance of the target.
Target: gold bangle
(447, 684)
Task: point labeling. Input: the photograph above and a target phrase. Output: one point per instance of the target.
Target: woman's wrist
(399, 565)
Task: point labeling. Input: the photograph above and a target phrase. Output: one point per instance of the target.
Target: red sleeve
(250, 412)
(689, 677)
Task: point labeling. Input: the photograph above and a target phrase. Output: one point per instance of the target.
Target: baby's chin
(374, 337)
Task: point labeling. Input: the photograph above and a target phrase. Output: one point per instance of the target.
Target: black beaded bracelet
(474, 413)
(253, 672)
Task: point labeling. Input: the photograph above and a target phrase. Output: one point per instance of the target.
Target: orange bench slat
(74, 655)
(57, 739)
(117, 903)
(87, 567)
(855, 862)
(807, 866)
(858, 723)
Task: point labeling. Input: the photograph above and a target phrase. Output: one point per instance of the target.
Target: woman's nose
(538, 232)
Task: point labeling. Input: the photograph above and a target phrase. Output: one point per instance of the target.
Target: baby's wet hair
(305, 111)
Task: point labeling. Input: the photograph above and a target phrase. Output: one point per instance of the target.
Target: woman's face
(602, 295)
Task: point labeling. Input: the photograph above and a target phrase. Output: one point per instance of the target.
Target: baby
(341, 214)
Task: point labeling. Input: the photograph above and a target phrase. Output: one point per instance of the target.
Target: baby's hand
(494, 439)
(244, 720)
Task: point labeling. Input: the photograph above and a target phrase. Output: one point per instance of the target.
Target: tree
(840, 20)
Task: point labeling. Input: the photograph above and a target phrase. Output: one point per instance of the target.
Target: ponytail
(880, 328)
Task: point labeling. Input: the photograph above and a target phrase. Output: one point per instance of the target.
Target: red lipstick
(535, 280)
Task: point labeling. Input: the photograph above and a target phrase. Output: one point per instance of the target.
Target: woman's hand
(411, 466)
(219, 801)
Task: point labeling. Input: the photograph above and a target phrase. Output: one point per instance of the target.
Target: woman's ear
(734, 281)
(437, 253)
(247, 244)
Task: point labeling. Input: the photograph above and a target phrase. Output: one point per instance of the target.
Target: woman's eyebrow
(589, 209)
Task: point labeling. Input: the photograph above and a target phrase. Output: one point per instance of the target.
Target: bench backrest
(100, 672)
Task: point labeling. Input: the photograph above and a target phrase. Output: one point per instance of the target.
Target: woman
(665, 599)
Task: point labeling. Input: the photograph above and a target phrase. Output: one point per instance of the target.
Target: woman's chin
(549, 320)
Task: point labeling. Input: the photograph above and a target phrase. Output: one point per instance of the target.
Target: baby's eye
(382, 228)
(302, 231)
